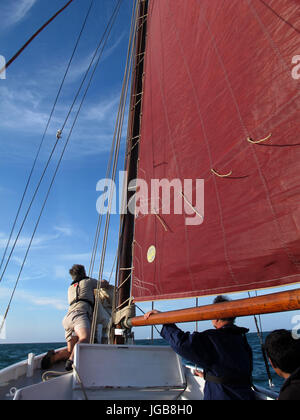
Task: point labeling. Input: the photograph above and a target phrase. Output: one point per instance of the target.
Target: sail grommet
(151, 254)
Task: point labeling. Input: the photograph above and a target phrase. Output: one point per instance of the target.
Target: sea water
(14, 353)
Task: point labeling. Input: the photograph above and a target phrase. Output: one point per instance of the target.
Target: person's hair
(283, 350)
(78, 272)
(221, 299)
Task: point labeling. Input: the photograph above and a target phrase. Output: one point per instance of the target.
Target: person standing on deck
(223, 353)
(77, 322)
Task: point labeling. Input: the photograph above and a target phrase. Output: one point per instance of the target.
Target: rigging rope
(53, 149)
(116, 141)
(110, 25)
(126, 309)
(44, 134)
(102, 41)
(260, 336)
(34, 36)
(108, 170)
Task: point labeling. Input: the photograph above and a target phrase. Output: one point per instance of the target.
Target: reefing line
(220, 175)
(249, 139)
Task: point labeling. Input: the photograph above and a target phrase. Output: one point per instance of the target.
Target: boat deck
(105, 372)
(9, 386)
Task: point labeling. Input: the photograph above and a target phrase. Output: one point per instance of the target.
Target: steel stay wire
(57, 140)
(98, 229)
(111, 23)
(34, 36)
(49, 160)
(44, 135)
(259, 330)
(118, 133)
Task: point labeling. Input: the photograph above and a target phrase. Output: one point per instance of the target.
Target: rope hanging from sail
(250, 140)
(9, 62)
(220, 175)
(161, 221)
(58, 136)
(103, 41)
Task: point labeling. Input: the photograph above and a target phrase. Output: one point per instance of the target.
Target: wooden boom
(272, 303)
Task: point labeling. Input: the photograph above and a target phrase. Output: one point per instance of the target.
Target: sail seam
(273, 44)
(279, 16)
(263, 180)
(226, 255)
(191, 275)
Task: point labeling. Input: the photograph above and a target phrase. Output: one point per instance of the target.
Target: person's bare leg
(64, 354)
(83, 336)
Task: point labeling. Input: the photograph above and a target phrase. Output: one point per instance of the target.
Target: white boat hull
(104, 372)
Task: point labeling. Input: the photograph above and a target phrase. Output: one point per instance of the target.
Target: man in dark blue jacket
(223, 353)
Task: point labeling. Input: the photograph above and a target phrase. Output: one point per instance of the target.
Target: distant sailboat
(215, 97)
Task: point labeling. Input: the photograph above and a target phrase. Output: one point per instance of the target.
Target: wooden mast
(272, 303)
(127, 229)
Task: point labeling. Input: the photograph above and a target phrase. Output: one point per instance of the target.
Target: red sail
(221, 92)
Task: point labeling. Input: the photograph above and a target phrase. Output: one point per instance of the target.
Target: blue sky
(66, 232)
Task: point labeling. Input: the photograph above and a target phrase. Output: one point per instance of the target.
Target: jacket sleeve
(195, 348)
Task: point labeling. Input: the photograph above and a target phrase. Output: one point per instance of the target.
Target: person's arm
(183, 343)
(103, 284)
(195, 347)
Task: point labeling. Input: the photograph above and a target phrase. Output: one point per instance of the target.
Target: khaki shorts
(75, 320)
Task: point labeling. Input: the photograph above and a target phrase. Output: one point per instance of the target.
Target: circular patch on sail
(151, 254)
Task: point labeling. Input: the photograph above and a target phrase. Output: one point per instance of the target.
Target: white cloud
(66, 231)
(13, 11)
(57, 303)
(27, 106)
(38, 241)
(77, 70)
(102, 111)
(17, 260)
(108, 52)
(23, 105)
(34, 299)
(23, 241)
(6, 191)
(61, 272)
(80, 67)
(77, 258)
